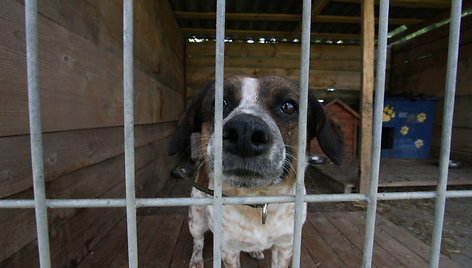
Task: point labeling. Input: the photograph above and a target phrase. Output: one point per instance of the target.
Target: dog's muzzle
(246, 136)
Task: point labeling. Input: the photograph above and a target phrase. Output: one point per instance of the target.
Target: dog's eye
(288, 107)
(225, 104)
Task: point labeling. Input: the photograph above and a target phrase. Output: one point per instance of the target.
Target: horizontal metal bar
(161, 202)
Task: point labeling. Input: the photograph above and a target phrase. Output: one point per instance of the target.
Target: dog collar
(181, 174)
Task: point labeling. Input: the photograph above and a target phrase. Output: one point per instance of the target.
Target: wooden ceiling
(332, 19)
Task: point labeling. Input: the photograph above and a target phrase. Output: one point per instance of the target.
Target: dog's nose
(246, 135)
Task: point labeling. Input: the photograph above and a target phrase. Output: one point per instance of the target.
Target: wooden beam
(284, 17)
(353, 19)
(266, 34)
(443, 16)
(410, 3)
(238, 16)
(316, 10)
(367, 91)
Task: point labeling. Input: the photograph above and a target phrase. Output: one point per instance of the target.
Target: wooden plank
(73, 237)
(462, 114)
(147, 227)
(403, 254)
(321, 52)
(306, 260)
(430, 43)
(427, 74)
(355, 234)
(198, 77)
(83, 184)
(411, 242)
(442, 16)
(349, 254)
(156, 52)
(238, 16)
(286, 63)
(411, 3)
(82, 93)
(159, 253)
(356, 19)
(264, 33)
(183, 248)
(367, 93)
(283, 17)
(318, 248)
(65, 152)
(108, 248)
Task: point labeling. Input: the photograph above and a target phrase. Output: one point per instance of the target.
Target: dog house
(80, 55)
(407, 128)
(348, 121)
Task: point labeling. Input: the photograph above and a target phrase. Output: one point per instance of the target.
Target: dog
(260, 117)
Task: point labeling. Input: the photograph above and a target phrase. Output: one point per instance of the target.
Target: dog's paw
(258, 255)
(196, 264)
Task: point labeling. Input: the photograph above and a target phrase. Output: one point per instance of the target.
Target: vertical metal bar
(31, 24)
(377, 133)
(453, 54)
(129, 132)
(302, 126)
(219, 76)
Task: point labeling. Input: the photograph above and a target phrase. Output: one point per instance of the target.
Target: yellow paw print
(421, 117)
(388, 113)
(419, 143)
(404, 130)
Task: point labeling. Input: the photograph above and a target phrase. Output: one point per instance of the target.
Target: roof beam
(443, 16)
(284, 17)
(266, 34)
(316, 10)
(238, 16)
(350, 19)
(410, 3)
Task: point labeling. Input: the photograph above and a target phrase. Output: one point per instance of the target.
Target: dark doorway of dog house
(81, 96)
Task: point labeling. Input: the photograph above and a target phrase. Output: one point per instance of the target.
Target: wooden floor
(394, 173)
(331, 239)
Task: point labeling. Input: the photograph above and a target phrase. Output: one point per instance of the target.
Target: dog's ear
(329, 135)
(192, 121)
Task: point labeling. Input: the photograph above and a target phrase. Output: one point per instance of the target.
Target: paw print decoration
(421, 117)
(419, 143)
(388, 113)
(404, 130)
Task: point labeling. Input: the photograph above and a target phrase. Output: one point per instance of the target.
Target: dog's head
(260, 118)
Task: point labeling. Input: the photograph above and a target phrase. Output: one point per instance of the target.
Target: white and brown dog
(259, 149)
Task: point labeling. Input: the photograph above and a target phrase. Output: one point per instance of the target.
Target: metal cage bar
(377, 134)
(162, 202)
(219, 76)
(31, 30)
(440, 206)
(302, 127)
(129, 133)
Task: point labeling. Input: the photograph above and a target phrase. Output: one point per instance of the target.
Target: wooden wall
(331, 66)
(418, 67)
(80, 58)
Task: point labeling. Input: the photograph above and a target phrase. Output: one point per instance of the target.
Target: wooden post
(368, 47)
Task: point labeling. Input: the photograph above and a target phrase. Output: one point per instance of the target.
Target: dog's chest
(242, 227)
